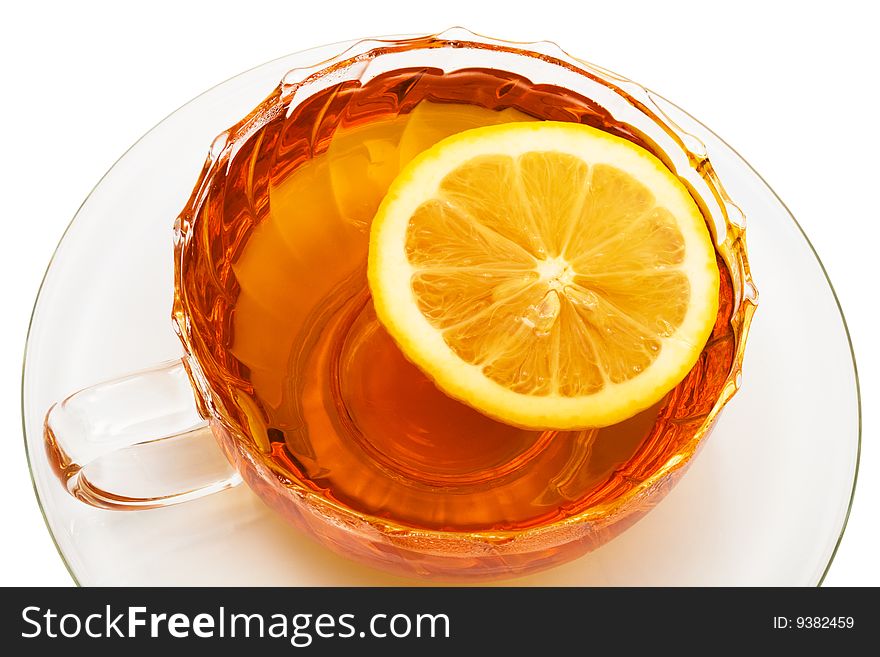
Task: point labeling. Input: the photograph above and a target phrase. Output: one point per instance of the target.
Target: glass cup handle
(136, 432)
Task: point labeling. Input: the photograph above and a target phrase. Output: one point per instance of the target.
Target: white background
(790, 85)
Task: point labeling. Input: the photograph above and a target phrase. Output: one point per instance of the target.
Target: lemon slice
(551, 275)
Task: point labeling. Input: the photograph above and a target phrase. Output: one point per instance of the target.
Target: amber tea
(300, 364)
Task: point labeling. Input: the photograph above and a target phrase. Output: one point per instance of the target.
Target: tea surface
(297, 359)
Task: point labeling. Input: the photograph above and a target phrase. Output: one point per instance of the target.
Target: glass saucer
(764, 503)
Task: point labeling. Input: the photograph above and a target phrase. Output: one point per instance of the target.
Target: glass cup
(86, 432)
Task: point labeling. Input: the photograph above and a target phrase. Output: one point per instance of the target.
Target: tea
(288, 341)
